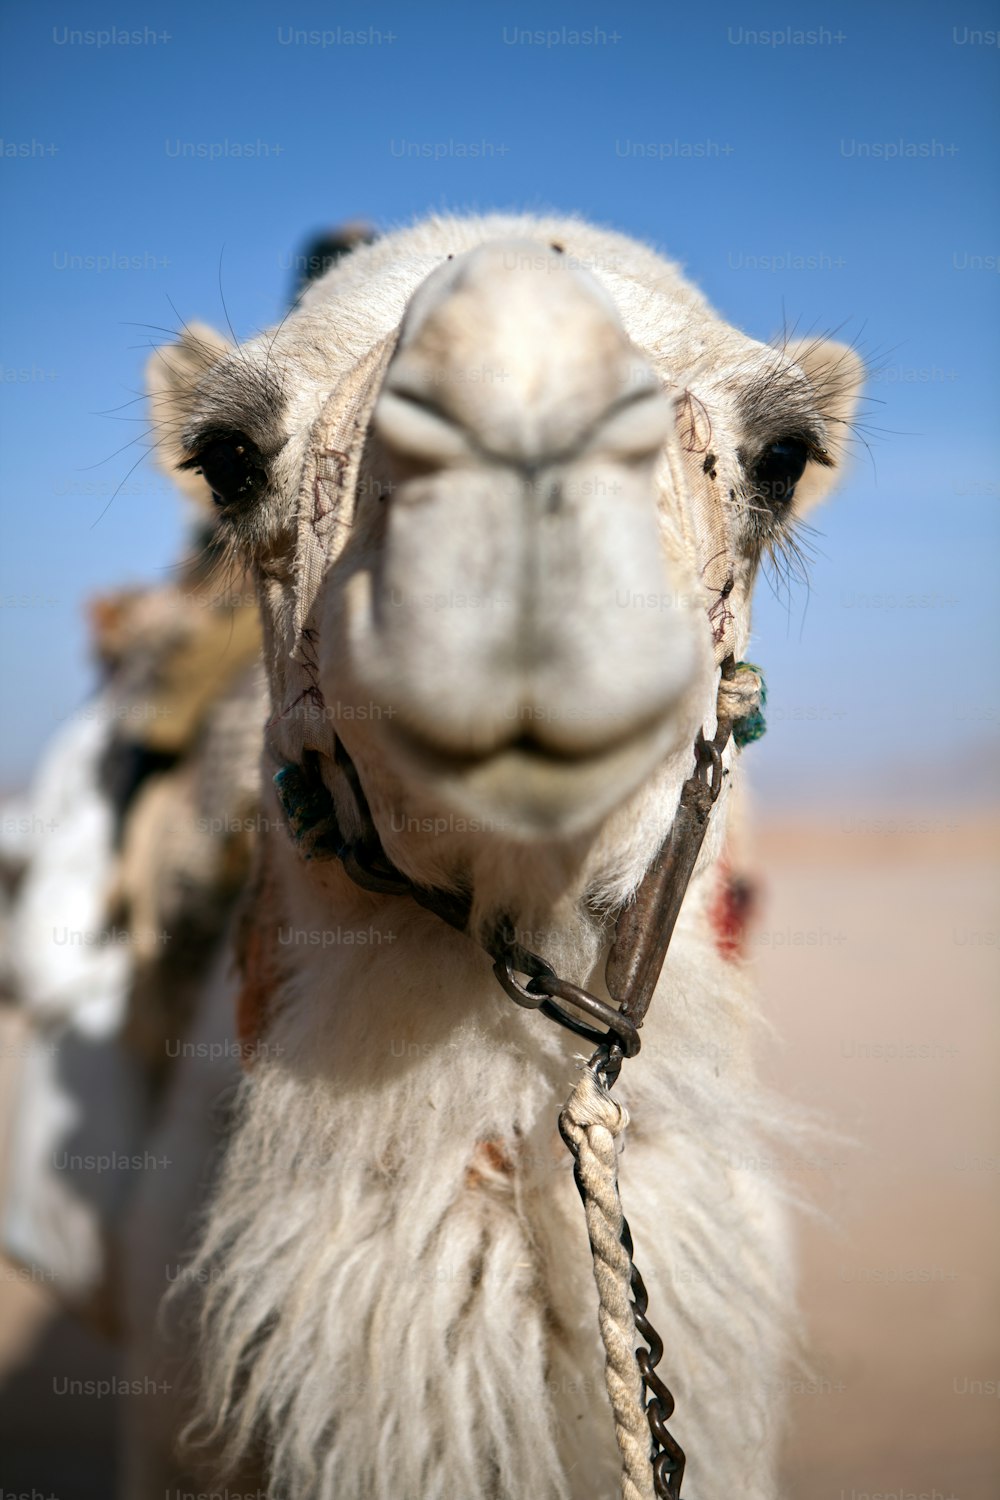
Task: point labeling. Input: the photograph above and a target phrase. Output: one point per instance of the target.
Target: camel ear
(173, 375)
(837, 375)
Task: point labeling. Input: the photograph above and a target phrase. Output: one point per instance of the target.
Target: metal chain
(667, 1455)
(544, 991)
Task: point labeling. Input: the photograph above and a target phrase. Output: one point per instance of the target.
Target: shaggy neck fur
(396, 1289)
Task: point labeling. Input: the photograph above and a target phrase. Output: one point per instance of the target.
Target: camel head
(506, 486)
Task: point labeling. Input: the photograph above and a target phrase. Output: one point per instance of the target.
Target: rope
(741, 699)
(591, 1123)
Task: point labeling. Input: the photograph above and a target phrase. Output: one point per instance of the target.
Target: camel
(145, 798)
(505, 484)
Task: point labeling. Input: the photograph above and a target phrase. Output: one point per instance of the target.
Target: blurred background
(829, 169)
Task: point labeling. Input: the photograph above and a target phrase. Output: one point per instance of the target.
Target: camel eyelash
(773, 535)
(786, 558)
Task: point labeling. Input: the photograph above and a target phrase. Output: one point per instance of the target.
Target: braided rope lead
(591, 1124)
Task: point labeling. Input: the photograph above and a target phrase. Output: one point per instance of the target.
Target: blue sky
(844, 180)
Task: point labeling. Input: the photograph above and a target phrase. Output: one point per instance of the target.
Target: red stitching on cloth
(691, 410)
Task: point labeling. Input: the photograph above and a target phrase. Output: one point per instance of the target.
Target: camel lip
(525, 748)
(531, 790)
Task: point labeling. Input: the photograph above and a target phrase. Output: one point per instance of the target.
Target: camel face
(566, 472)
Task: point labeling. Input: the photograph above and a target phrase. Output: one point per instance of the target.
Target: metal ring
(708, 763)
(521, 994)
(619, 1025)
(708, 756)
(553, 1011)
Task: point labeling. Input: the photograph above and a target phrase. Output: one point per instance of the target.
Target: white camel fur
(511, 612)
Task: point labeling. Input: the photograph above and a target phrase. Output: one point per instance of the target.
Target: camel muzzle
(499, 628)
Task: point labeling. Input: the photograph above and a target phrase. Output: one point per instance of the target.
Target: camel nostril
(414, 427)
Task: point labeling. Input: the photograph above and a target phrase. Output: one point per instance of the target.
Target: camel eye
(779, 469)
(233, 467)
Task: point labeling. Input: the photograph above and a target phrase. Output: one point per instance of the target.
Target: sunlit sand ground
(892, 1027)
